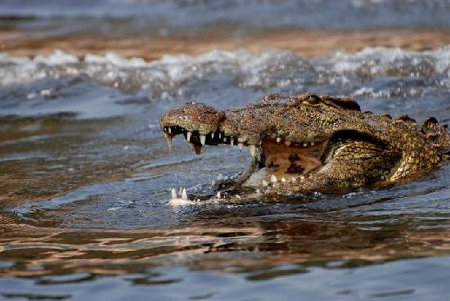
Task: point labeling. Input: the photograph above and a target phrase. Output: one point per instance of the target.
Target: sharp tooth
(258, 191)
(283, 179)
(264, 182)
(293, 180)
(278, 139)
(305, 144)
(184, 195)
(302, 178)
(258, 153)
(218, 195)
(238, 196)
(173, 194)
(312, 143)
(224, 139)
(202, 139)
(240, 145)
(231, 140)
(212, 135)
(273, 179)
(287, 143)
(169, 139)
(169, 130)
(220, 135)
(188, 136)
(180, 190)
(252, 150)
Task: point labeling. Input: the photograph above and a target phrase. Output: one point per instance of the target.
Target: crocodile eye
(313, 99)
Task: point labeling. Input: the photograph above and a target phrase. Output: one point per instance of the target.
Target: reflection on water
(207, 258)
(332, 282)
(85, 174)
(218, 238)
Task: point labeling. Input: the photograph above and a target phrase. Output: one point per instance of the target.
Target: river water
(85, 173)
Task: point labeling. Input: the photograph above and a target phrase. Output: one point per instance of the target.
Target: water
(144, 17)
(85, 174)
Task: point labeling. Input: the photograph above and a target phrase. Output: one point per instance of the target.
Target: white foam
(57, 57)
(115, 59)
(169, 75)
(381, 60)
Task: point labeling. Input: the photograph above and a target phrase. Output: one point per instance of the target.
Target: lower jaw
(291, 166)
(264, 176)
(285, 163)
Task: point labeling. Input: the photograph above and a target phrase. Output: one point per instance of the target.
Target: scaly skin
(312, 143)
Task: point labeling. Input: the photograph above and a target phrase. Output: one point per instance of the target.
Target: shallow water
(85, 179)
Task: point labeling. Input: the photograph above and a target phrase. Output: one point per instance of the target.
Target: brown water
(85, 175)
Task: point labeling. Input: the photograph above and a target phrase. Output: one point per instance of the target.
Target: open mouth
(274, 158)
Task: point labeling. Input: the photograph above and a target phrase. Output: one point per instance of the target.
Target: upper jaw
(260, 149)
(193, 116)
(199, 138)
(201, 124)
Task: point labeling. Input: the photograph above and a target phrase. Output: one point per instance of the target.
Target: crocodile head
(303, 143)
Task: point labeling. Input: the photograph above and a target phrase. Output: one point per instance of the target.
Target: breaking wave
(171, 76)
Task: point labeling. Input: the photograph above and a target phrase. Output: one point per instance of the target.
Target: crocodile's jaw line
(274, 160)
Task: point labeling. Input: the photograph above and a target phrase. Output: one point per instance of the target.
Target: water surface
(85, 177)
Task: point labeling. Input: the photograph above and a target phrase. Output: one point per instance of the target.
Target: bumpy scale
(309, 143)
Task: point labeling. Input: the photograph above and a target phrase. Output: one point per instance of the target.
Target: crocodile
(313, 143)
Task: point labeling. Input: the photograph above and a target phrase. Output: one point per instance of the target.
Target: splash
(172, 76)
